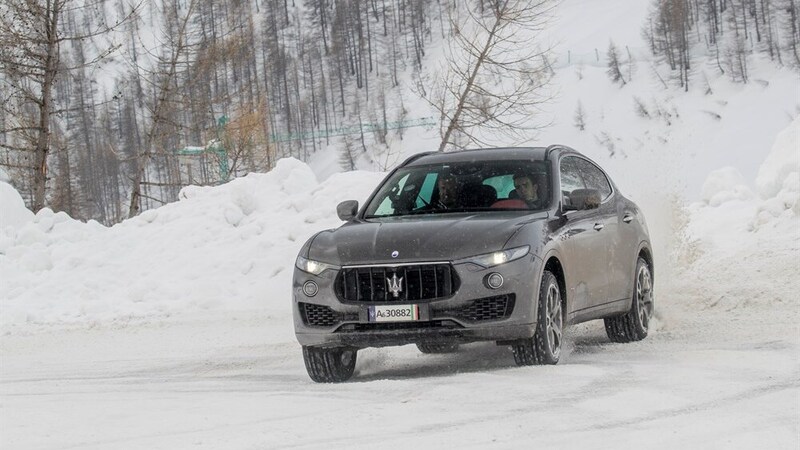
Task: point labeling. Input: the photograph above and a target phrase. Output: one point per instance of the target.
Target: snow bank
(724, 185)
(778, 180)
(783, 163)
(735, 265)
(226, 247)
(13, 212)
(746, 243)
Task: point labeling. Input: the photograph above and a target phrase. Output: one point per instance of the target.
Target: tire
(545, 345)
(329, 365)
(426, 347)
(633, 325)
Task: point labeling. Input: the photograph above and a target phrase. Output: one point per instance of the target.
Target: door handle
(628, 218)
(599, 226)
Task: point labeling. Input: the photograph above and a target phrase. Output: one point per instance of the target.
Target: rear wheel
(427, 347)
(545, 345)
(329, 365)
(633, 325)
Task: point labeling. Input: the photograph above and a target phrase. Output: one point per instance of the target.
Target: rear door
(623, 252)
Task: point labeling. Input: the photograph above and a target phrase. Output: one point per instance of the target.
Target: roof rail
(553, 147)
(413, 158)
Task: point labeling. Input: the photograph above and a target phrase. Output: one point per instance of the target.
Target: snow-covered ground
(711, 378)
(173, 330)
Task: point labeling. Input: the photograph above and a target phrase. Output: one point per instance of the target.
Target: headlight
(497, 258)
(313, 267)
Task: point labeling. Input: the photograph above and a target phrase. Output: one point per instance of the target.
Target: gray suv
(504, 245)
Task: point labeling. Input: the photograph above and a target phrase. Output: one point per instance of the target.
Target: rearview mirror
(347, 210)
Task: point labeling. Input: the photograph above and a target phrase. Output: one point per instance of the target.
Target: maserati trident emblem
(395, 285)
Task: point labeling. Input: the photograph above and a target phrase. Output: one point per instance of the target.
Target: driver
(528, 190)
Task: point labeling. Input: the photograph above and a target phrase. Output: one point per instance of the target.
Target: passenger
(528, 190)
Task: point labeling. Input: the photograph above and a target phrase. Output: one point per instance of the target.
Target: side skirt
(599, 311)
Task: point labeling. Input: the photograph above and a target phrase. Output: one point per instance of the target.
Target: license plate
(393, 313)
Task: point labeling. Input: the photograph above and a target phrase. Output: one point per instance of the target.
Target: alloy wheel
(644, 296)
(554, 321)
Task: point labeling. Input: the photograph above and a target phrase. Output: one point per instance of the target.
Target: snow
(598, 23)
(778, 180)
(173, 329)
(723, 185)
(13, 212)
(230, 247)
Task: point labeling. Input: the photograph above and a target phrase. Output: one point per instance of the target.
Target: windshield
(463, 187)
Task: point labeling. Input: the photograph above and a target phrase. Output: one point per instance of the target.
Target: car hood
(429, 238)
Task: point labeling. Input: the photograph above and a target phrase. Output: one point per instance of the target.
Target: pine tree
(614, 71)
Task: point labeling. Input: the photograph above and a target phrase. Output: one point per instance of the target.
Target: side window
(594, 177)
(570, 175)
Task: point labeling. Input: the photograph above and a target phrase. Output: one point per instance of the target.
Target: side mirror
(347, 210)
(567, 205)
(583, 199)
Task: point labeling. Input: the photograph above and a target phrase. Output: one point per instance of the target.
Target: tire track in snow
(766, 389)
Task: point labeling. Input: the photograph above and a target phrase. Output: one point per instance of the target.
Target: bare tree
(347, 155)
(668, 33)
(495, 71)
(31, 37)
(791, 28)
(732, 31)
(164, 82)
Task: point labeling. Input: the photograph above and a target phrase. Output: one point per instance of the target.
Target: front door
(585, 244)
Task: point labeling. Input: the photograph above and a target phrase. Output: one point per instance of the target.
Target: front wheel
(633, 325)
(545, 345)
(329, 365)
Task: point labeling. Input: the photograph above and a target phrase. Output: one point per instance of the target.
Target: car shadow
(407, 362)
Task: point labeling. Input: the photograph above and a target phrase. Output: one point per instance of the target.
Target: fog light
(494, 280)
(310, 288)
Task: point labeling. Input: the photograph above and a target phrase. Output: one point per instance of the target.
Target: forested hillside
(110, 107)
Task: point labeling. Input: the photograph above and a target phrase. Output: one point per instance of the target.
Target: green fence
(353, 129)
(215, 148)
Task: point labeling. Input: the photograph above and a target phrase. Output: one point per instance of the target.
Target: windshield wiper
(420, 212)
(382, 216)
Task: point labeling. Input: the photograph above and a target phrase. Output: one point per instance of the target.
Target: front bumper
(441, 321)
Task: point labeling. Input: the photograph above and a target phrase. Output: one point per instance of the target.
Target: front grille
(322, 316)
(484, 309)
(398, 326)
(415, 282)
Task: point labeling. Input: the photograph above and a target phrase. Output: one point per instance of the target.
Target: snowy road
(708, 378)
